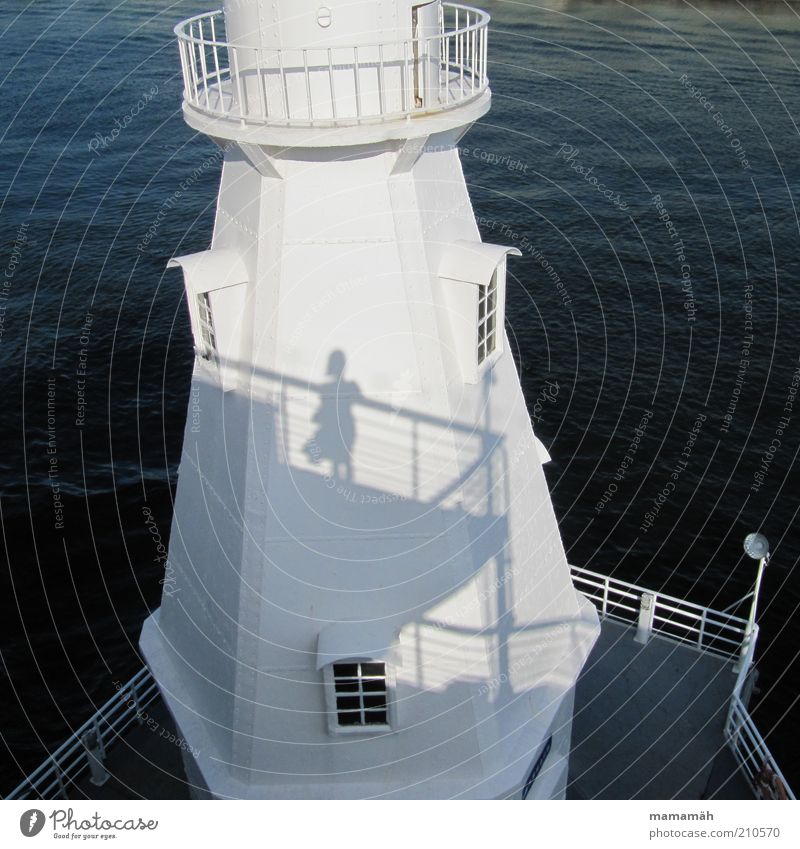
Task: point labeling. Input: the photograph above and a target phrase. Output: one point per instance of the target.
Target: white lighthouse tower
(367, 593)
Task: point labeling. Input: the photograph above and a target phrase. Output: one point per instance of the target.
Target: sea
(645, 159)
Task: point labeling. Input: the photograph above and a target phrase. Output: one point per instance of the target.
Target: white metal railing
(704, 629)
(744, 740)
(70, 760)
(700, 627)
(334, 86)
(685, 622)
(753, 754)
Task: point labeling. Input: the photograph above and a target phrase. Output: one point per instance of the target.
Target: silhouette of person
(336, 431)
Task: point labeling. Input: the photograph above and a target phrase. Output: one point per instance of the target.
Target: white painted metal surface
(69, 762)
(311, 84)
(351, 461)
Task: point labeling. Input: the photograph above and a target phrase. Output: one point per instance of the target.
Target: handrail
(686, 622)
(753, 755)
(745, 741)
(743, 738)
(179, 30)
(341, 85)
(70, 760)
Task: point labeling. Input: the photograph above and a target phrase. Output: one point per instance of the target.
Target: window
(207, 335)
(473, 285)
(361, 694)
(487, 319)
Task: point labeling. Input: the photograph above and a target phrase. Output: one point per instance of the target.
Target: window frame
(465, 310)
(208, 349)
(496, 287)
(331, 698)
(487, 320)
(219, 280)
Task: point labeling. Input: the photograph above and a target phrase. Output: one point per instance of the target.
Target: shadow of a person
(336, 431)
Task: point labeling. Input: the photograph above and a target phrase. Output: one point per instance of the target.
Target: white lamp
(756, 546)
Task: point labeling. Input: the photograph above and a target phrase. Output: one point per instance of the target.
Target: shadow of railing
(331, 429)
(330, 439)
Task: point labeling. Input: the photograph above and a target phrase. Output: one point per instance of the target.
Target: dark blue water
(640, 308)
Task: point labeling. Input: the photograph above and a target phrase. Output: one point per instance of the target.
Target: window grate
(487, 319)
(361, 694)
(207, 335)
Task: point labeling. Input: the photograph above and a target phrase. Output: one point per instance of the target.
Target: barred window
(207, 335)
(487, 319)
(361, 694)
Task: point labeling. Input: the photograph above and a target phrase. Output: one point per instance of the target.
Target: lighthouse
(367, 593)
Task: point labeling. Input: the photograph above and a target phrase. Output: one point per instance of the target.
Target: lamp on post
(756, 547)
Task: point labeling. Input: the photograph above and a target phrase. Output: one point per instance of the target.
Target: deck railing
(684, 622)
(338, 85)
(87, 745)
(692, 624)
(703, 629)
(743, 737)
(753, 754)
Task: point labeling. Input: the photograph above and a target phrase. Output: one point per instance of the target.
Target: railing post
(426, 59)
(461, 51)
(407, 82)
(381, 83)
(60, 779)
(485, 55)
(101, 746)
(357, 79)
(644, 627)
(243, 111)
(193, 69)
(472, 60)
(702, 633)
(332, 86)
(446, 50)
(203, 65)
(184, 68)
(95, 757)
(216, 56)
(308, 87)
(730, 719)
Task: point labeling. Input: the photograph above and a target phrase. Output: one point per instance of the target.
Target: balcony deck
(648, 725)
(649, 722)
